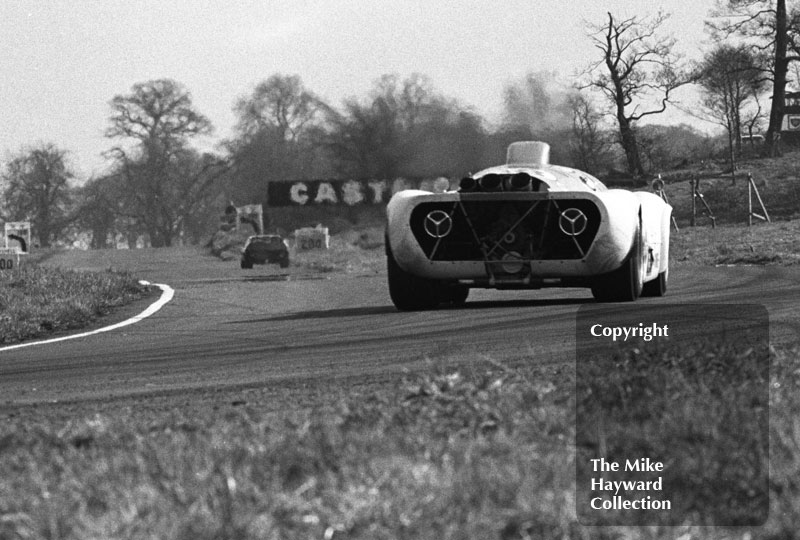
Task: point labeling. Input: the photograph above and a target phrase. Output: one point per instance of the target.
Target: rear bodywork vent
(506, 231)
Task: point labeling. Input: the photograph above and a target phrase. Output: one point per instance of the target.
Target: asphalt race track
(233, 328)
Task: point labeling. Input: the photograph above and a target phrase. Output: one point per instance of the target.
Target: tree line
(163, 189)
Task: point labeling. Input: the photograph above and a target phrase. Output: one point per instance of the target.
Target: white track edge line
(167, 293)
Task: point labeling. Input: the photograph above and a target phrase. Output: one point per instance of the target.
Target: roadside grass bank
(484, 451)
(358, 252)
(776, 243)
(776, 179)
(40, 300)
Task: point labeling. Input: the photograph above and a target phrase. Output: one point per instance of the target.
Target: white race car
(526, 225)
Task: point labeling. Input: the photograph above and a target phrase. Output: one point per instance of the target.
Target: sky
(62, 61)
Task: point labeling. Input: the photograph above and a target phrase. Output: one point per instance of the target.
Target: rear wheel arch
(658, 286)
(407, 291)
(625, 284)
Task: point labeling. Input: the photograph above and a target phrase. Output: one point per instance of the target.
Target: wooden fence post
(659, 187)
(697, 195)
(751, 187)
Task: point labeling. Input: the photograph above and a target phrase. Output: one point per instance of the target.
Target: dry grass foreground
(485, 452)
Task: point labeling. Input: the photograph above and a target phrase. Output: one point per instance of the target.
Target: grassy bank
(40, 300)
(776, 179)
(351, 252)
(484, 452)
(762, 244)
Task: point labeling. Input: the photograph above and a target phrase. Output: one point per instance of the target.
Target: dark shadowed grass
(482, 452)
(40, 300)
(701, 410)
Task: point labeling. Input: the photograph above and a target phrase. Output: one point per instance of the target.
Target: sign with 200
(312, 243)
(9, 258)
(312, 238)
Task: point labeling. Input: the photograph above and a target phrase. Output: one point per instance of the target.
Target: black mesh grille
(492, 230)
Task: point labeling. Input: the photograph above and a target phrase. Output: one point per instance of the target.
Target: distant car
(265, 249)
(526, 225)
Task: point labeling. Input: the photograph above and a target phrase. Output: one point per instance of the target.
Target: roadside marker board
(9, 259)
(310, 238)
(19, 232)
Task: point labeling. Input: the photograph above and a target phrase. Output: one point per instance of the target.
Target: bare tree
(408, 101)
(637, 67)
(365, 139)
(36, 188)
(772, 27)
(97, 210)
(279, 104)
(277, 135)
(589, 145)
(157, 113)
(404, 127)
(371, 136)
(731, 80)
(164, 178)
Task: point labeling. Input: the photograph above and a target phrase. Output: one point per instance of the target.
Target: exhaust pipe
(519, 182)
(491, 182)
(467, 184)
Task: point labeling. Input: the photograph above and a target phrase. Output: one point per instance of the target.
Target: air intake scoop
(528, 154)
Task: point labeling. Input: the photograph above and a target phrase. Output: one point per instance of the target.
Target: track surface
(226, 327)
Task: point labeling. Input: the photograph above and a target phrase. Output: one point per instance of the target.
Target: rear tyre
(246, 264)
(454, 294)
(409, 292)
(657, 287)
(626, 282)
(284, 263)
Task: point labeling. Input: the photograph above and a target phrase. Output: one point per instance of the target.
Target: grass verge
(350, 253)
(775, 243)
(776, 180)
(40, 300)
(484, 452)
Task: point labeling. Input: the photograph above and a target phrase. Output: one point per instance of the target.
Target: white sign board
(9, 258)
(18, 232)
(312, 238)
(791, 122)
(253, 214)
